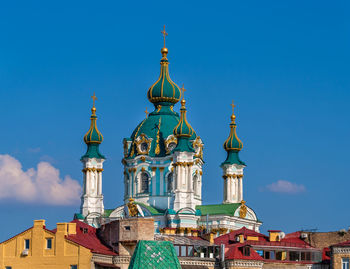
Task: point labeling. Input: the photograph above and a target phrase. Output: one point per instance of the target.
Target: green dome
(183, 128)
(183, 131)
(164, 91)
(93, 135)
(158, 126)
(93, 138)
(233, 145)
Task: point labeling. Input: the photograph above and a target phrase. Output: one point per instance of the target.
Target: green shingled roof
(154, 254)
(151, 209)
(219, 209)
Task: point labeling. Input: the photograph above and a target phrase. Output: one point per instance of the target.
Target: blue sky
(285, 63)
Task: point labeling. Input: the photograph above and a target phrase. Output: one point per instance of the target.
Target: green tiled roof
(151, 209)
(154, 254)
(78, 216)
(107, 212)
(219, 209)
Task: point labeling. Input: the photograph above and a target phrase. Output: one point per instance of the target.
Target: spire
(183, 130)
(93, 138)
(233, 144)
(164, 91)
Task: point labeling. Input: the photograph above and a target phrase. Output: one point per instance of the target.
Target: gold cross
(146, 112)
(183, 91)
(94, 98)
(233, 107)
(164, 35)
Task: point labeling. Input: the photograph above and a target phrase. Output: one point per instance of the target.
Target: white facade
(92, 197)
(233, 183)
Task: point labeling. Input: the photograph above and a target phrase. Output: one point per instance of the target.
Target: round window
(144, 147)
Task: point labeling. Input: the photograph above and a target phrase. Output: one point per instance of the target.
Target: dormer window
(246, 251)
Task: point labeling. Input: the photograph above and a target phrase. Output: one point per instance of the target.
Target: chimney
(62, 228)
(274, 235)
(39, 223)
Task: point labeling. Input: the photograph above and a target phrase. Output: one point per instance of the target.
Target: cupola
(93, 138)
(164, 91)
(233, 144)
(183, 130)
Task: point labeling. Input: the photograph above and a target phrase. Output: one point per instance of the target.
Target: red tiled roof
(235, 252)
(291, 240)
(89, 240)
(230, 238)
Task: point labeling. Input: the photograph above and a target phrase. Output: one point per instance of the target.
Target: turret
(233, 166)
(183, 162)
(92, 199)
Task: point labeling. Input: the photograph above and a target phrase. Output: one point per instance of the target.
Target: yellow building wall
(63, 253)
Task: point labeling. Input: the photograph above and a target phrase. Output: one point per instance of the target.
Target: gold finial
(233, 117)
(183, 101)
(146, 111)
(164, 34)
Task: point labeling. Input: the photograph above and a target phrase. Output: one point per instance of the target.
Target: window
(294, 256)
(345, 263)
(170, 182)
(177, 250)
(26, 244)
(246, 251)
(144, 147)
(144, 182)
(48, 243)
(183, 251)
(190, 251)
(74, 266)
(260, 252)
(127, 228)
(281, 255)
(8, 267)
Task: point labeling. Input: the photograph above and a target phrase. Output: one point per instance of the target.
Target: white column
(99, 182)
(189, 178)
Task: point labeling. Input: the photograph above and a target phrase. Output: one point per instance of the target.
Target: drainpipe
(222, 256)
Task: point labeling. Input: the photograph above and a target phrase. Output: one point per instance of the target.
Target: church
(163, 175)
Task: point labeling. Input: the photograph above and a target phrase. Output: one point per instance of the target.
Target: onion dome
(183, 131)
(93, 138)
(164, 91)
(233, 144)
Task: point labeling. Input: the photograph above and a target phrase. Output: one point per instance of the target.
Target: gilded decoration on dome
(170, 143)
(143, 144)
(157, 150)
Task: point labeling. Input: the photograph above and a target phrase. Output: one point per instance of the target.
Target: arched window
(144, 182)
(195, 184)
(170, 182)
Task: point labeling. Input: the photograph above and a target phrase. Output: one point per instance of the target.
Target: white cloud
(284, 186)
(40, 185)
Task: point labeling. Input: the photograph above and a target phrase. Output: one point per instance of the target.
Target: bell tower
(233, 167)
(92, 197)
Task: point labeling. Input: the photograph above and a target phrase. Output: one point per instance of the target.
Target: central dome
(154, 135)
(157, 128)
(164, 91)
